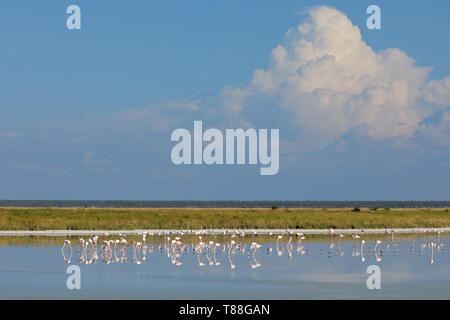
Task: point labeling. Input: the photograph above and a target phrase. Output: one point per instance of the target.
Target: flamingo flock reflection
(213, 251)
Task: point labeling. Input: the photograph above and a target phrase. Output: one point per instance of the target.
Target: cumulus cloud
(438, 91)
(323, 82)
(438, 133)
(332, 82)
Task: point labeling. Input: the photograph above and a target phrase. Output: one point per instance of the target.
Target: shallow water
(311, 270)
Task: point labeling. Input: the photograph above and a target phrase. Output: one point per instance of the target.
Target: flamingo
(63, 250)
(432, 252)
(377, 251)
(289, 242)
(289, 248)
(217, 263)
(361, 250)
(255, 263)
(279, 238)
(232, 265)
(355, 237)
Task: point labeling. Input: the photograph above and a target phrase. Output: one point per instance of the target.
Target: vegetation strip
(35, 219)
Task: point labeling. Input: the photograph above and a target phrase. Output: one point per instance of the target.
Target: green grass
(197, 218)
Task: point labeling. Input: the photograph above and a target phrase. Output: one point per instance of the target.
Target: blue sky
(87, 114)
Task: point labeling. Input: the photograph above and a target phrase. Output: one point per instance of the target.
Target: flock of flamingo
(208, 250)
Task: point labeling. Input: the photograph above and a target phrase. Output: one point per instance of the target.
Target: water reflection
(209, 250)
(66, 251)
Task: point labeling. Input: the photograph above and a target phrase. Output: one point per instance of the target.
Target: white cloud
(10, 134)
(438, 133)
(438, 92)
(323, 82)
(332, 82)
(156, 117)
(89, 160)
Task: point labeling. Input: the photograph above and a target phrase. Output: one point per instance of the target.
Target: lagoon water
(412, 267)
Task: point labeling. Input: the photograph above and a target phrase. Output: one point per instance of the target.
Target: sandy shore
(215, 231)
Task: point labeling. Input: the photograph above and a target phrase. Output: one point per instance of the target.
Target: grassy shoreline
(13, 218)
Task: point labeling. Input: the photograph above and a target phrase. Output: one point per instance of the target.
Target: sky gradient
(87, 114)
